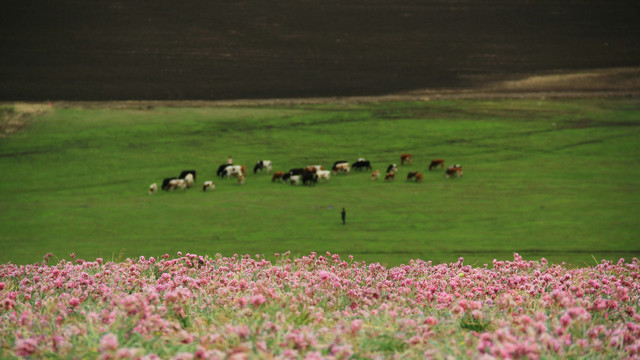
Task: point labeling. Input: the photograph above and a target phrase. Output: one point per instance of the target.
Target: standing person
(344, 216)
(229, 160)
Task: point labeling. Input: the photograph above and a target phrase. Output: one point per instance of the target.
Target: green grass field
(545, 178)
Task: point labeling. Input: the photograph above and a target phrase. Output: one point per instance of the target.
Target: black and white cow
(293, 172)
(189, 176)
(184, 173)
(337, 163)
(392, 168)
(262, 165)
(166, 183)
(221, 168)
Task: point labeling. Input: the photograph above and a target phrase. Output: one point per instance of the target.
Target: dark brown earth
(266, 49)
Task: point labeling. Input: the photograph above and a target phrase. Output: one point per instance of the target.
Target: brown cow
(390, 176)
(411, 175)
(277, 175)
(454, 170)
(314, 168)
(375, 175)
(435, 162)
(416, 176)
(406, 157)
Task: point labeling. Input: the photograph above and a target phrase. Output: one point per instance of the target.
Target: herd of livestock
(309, 175)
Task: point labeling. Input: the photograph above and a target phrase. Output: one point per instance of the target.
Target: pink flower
(26, 347)
(431, 321)
(242, 302)
(184, 356)
(109, 342)
(74, 302)
(320, 306)
(356, 325)
(314, 356)
(126, 353)
(323, 275)
(258, 300)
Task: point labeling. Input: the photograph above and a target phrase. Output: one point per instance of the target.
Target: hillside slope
(203, 50)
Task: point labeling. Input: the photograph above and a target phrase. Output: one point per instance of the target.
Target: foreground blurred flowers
(317, 307)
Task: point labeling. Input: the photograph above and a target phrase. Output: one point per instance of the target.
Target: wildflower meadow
(317, 307)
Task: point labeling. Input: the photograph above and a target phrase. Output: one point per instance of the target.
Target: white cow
(233, 170)
(323, 174)
(188, 179)
(208, 185)
(177, 183)
(153, 188)
(294, 179)
(341, 168)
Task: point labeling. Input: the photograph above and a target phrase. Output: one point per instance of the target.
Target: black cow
(361, 164)
(165, 183)
(392, 167)
(221, 169)
(258, 166)
(309, 178)
(296, 171)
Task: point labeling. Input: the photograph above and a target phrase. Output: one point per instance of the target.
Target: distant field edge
(621, 82)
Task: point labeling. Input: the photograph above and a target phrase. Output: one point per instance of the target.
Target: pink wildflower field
(317, 307)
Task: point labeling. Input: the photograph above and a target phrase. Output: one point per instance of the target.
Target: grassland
(544, 178)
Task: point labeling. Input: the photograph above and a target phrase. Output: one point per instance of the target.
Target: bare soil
(604, 83)
(105, 50)
(18, 116)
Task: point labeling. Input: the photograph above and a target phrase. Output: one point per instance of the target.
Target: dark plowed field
(221, 49)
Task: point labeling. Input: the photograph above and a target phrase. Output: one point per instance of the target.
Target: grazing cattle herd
(309, 175)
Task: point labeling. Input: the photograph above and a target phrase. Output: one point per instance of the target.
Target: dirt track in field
(291, 49)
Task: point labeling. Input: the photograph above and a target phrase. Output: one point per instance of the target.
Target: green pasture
(545, 178)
